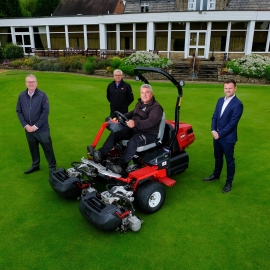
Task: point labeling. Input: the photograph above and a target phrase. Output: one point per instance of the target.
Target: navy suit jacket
(226, 125)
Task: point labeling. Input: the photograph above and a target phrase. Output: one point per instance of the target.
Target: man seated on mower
(142, 128)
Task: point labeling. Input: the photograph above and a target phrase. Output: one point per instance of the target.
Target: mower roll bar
(138, 72)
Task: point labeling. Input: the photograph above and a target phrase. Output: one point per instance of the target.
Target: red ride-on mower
(150, 170)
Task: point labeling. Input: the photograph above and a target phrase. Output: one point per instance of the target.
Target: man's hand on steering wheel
(121, 118)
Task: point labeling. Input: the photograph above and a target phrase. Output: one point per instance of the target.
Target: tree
(28, 7)
(10, 8)
(46, 7)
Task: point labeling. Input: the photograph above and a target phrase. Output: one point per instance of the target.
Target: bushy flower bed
(148, 59)
(145, 59)
(251, 66)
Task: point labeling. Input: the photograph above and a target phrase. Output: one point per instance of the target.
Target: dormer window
(191, 4)
(211, 4)
(145, 7)
(201, 5)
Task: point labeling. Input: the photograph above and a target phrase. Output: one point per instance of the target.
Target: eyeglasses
(31, 81)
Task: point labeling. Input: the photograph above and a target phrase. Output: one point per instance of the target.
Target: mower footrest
(167, 181)
(101, 169)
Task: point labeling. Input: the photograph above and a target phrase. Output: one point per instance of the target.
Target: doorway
(197, 43)
(23, 39)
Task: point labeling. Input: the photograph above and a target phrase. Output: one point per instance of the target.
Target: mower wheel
(150, 196)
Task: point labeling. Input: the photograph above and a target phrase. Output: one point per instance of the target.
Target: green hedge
(11, 51)
(267, 73)
(2, 54)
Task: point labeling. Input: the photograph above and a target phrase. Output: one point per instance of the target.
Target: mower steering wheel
(121, 118)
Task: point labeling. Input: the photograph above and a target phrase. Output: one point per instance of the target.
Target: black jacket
(120, 98)
(147, 117)
(33, 110)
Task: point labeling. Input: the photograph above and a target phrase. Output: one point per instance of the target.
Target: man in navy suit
(224, 130)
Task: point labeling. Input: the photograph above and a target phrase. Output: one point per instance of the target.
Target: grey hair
(147, 86)
(118, 70)
(31, 76)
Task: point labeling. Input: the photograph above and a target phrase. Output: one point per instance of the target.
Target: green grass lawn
(198, 227)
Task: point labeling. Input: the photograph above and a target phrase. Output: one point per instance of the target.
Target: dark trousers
(223, 148)
(44, 139)
(136, 139)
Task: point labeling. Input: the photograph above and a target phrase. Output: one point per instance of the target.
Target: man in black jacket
(33, 110)
(141, 129)
(119, 94)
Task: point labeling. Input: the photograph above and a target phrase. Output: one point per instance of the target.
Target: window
(178, 36)
(161, 36)
(93, 36)
(218, 36)
(201, 4)
(40, 37)
(76, 36)
(191, 4)
(126, 36)
(198, 26)
(5, 36)
(141, 33)
(260, 37)
(212, 4)
(238, 36)
(145, 7)
(57, 35)
(111, 36)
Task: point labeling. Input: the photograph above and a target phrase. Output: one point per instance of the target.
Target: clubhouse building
(173, 28)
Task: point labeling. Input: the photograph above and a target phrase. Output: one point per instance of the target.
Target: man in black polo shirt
(119, 94)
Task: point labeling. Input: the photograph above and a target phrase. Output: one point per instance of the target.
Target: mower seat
(159, 137)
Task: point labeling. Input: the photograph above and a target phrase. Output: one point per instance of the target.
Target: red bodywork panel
(185, 135)
(149, 172)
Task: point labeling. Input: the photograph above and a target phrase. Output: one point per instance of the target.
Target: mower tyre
(150, 196)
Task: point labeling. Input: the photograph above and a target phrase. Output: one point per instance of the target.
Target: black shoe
(227, 188)
(210, 178)
(90, 150)
(51, 170)
(115, 168)
(32, 169)
(97, 156)
(124, 174)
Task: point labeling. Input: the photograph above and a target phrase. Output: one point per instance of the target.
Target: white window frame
(145, 7)
(211, 4)
(191, 4)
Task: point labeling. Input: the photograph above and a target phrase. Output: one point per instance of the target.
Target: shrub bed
(251, 66)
